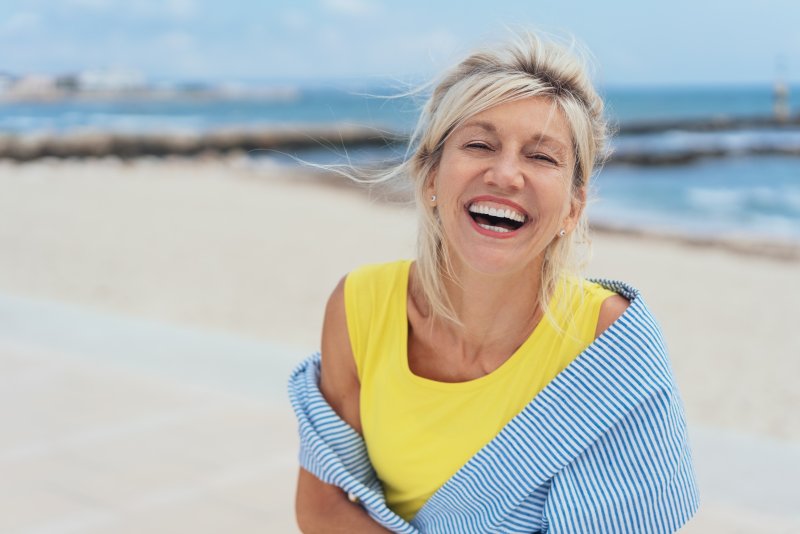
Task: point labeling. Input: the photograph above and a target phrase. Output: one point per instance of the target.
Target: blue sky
(680, 42)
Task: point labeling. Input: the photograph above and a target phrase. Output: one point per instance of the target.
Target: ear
(430, 185)
(576, 207)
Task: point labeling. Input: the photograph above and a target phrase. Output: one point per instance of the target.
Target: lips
(496, 217)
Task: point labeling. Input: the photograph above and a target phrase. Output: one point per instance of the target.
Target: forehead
(535, 117)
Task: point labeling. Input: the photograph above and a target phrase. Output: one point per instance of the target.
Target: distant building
(780, 92)
(111, 81)
(34, 87)
(68, 83)
(781, 101)
(6, 82)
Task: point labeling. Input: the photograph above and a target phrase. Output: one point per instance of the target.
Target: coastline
(100, 144)
(344, 137)
(775, 249)
(114, 274)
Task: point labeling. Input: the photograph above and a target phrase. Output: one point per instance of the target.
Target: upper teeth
(497, 212)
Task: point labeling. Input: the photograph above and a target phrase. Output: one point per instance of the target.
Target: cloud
(438, 45)
(442, 41)
(293, 19)
(420, 53)
(331, 38)
(358, 8)
(95, 5)
(20, 23)
(174, 9)
(177, 41)
(181, 9)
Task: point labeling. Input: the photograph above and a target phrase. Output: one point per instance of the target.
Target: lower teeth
(493, 228)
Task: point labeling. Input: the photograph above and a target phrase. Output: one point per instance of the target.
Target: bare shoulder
(339, 377)
(611, 310)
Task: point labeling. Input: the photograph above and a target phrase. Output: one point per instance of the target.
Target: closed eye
(544, 157)
(478, 145)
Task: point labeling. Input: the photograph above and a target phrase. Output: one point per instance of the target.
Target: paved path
(117, 424)
(157, 443)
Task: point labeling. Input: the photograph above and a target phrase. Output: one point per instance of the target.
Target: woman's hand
(322, 508)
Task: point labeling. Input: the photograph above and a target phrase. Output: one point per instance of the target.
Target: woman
(485, 387)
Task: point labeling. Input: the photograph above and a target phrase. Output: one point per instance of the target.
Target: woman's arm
(321, 507)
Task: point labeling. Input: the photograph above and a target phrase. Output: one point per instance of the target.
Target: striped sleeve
(637, 478)
(333, 451)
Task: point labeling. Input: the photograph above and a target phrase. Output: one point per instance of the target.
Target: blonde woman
(485, 386)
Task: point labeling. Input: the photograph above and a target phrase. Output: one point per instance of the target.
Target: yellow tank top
(418, 431)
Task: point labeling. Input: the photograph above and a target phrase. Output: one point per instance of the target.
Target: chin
(496, 257)
(496, 263)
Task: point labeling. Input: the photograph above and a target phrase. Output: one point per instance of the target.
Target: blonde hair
(527, 66)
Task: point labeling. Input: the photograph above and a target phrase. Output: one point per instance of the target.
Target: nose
(505, 172)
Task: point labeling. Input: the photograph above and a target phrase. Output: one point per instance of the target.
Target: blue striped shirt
(602, 448)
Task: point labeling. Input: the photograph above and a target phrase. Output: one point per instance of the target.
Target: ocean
(737, 194)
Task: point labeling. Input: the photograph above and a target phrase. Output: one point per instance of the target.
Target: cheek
(448, 188)
(448, 206)
(560, 194)
(449, 213)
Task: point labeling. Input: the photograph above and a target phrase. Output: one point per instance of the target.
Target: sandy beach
(152, 310)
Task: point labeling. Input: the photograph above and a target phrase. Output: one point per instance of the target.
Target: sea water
(736, 197)
(371, 105)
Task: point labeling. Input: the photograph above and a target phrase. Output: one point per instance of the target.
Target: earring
(562, 233)
(433, 198)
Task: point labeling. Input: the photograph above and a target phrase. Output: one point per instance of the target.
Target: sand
(151, 310)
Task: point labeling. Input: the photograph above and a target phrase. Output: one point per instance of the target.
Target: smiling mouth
(501, 220)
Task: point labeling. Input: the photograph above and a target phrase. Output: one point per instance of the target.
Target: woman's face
(502, 186)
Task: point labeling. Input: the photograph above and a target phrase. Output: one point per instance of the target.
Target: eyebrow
(540, 137)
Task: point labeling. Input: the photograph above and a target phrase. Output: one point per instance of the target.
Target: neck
(497, 312)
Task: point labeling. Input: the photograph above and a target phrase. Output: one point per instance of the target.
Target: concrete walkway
(177, 440)
(117, 424)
